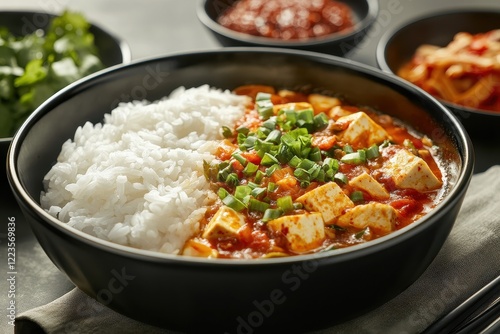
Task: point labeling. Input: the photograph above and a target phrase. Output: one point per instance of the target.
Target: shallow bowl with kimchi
(336, 187)
(329, 26)
(455, 56)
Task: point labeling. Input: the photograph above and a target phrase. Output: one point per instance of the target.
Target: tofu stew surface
(304, 172)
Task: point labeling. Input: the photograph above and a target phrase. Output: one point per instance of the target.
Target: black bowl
(397, 46)
(113, 51)
(365, 13)
(289, 294)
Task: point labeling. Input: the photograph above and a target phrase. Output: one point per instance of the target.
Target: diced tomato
(225, 150)
(252, 157)
(237, 166)
(324, 142)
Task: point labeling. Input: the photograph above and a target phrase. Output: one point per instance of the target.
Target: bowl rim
(460, 186)
(389, 35)
(363, 24)
(124, 47)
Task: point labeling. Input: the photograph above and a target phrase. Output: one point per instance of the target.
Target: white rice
(137, 178)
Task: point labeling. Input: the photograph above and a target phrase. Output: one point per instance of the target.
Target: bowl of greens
(40, 53)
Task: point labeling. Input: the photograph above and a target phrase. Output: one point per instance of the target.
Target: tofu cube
(199, 248)
(328, 199)
(362, 131)
(411, 172)
(337, 112)
(303, 232)
(380, 218)
(323, 103)
(224, 224)
(292, 106)
(368, 184)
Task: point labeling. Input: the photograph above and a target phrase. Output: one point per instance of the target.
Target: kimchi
(465, 72)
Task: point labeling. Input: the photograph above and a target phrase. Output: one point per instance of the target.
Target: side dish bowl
(398, 45)
(291, 294)
(112, 50)
(364, 14)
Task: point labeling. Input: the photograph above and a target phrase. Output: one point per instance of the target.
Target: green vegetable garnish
(35, 66)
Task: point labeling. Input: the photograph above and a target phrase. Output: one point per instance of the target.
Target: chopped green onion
(337, 228)
(227, 132)
(222, 193)
(265, 108)
(271, 214)
(360, 234)
(250, 169)
(232, 179)
(264, 146)
(210, 171)
(252, 185)
(355, 158)
(248, 143)
(272, 169)
(304, 184)
(268, 160)
(258, 192)
(301, 174)
(290, 116)
(297, 206)
(341, 177)
(314, 171)
(240, 158)
(270, 123)
(331, 164)
(233, 203)
(357, 196)
(243, 130)
(372, 152)
(347, 149)
(262, 96)
(274, 136)
(410, 146)
(321, 175)
(262, 132)
(241, 138)
(256, 205)
(258, 177)
(385, 144)
(271, 186)
(284, 154)
(224, 172)
(295, 161)
(315, 154)
(306, 164)
(320, 121)
(285, 203)
(242, 191)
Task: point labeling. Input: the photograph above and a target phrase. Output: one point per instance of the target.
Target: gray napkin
(469, 259)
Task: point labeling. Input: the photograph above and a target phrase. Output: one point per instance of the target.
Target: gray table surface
(154, 28)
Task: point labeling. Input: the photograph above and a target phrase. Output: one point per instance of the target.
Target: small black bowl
(112, 51)
(365, 13)
(282, 295)
(397, 46)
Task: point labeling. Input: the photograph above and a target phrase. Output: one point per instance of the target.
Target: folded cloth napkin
(469, 259)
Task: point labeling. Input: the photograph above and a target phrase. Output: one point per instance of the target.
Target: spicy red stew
(287, 19)
(303, 173)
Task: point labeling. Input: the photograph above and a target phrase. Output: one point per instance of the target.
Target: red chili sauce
(287, 19)
(255, 238)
